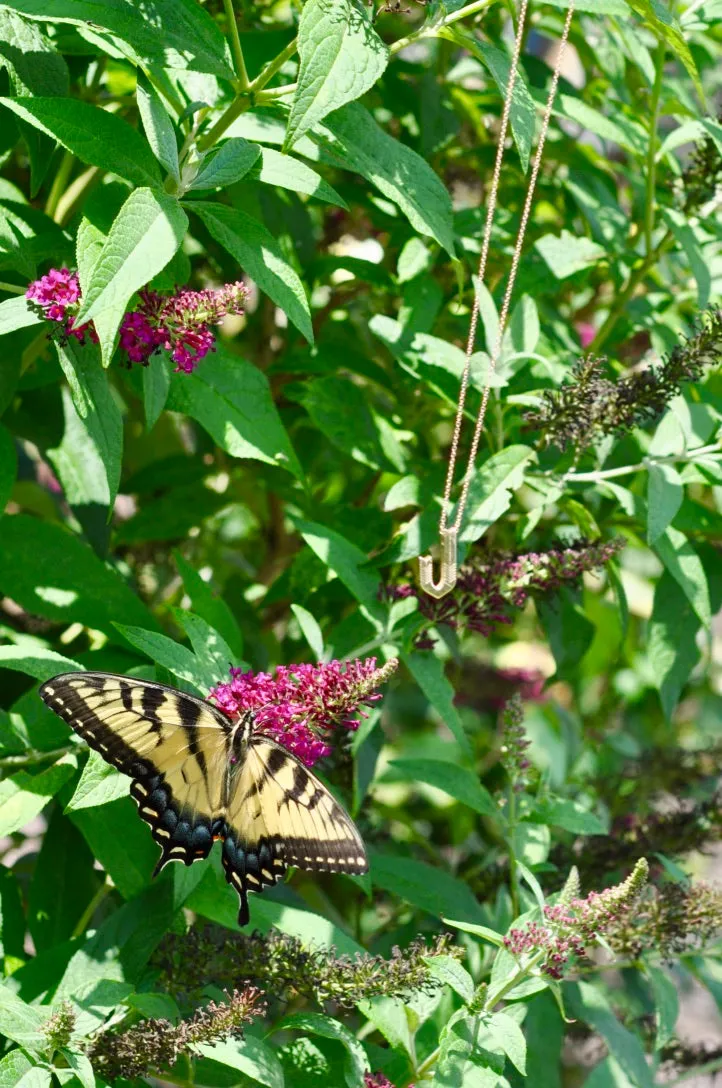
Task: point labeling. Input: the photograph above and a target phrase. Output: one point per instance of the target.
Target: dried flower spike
(301, 706)
(514, 743)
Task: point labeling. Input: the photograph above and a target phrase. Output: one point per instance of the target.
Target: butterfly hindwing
(280, 814)
(171, 744)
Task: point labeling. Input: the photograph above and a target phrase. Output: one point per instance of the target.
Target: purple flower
(301, 705)
(490, 586)
(378, 1080)
(180, 323)
(57, 295)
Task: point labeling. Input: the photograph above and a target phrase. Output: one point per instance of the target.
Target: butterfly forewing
(172, 745)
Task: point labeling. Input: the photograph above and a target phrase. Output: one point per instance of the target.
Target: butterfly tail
(244, 915)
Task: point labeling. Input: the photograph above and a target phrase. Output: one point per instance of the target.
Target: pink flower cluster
(58, 296)
(574, 923)
(378, 1080)
(301, 705)
(180, 323)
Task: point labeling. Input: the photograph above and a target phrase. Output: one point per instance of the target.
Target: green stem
(714, 448)
(266, 74)
(698, 1071)
(275, 92)
(635, 278)
(12, 288)
(431, 31)
(236, 47)
(236, 108)
(87, 915)
(513, 870)
(61, 180)
(651, 187)
(31, 757)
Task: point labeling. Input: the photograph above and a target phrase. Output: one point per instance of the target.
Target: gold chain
(449, 534)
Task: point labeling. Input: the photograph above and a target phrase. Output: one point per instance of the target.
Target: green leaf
(37, 661)
(396, 171)
(228, 164)
(50, 572)
(683, 563)
(144, 236)
(457, 781)
(286, 172)
(163, 650)
(522, 117)
(508, 1035)
(97, 410)
(250, 1056)
(8, 466)
(491, 489)
(666, 1005)
(206, 603)
(232, 400)
(77, 461)
(99, 784)
(80, 1064)
(449, 971)
(424, 886)
(23, 795)
(120, 841)
(20, 1022)
(340, 410)
(588, 1003)
(571, 816)
(171, 34)
(569, 631)
(63, 883)
(16, 313)
(96, 136)
(692, 246)
(660, 20)
(428, 672)
(345, 560)
(478, 931)
(566, 253)
(357, 1063)
(12, 924)
(13, 1067)
(213, 656)
(671, 641)
(158, 127)
(310, 628)
(156, 386)
(341, 58)
(260, 256)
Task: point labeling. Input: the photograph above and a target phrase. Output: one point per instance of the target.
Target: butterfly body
(198, 777)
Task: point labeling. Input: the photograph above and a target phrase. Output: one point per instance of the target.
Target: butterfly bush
(572, 924)
(490, 586)
(180, 323)
(301, 706)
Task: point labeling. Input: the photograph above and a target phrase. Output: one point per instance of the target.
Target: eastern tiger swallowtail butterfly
(199, 776)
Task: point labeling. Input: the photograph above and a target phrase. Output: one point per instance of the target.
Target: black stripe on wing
(182, 833)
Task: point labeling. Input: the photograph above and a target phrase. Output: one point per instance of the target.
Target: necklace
(449, 534)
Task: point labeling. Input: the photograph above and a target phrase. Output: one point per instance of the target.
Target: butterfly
(200, 776)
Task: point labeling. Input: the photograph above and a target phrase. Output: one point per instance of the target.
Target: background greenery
(274, 491)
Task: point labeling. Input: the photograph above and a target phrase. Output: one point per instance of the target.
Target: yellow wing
(172, 745)
(280, 814)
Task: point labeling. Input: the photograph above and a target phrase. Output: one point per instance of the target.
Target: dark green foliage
(251, 231)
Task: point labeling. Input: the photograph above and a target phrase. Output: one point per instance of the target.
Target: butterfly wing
(280, 814)
(173, 746)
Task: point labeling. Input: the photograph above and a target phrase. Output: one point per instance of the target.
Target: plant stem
(432, 30)
(266, 74)
(59, 183)
(12, 288)
(651, 187)
(31, 757)
(236, 108)
(635, 278)
(275, 92)
(91, 908)
(698, 1071)
(714, 448)
(236, 47)
(513, 871)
